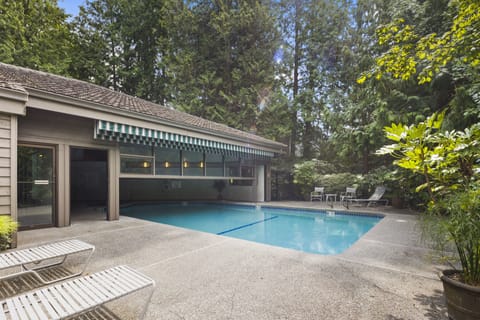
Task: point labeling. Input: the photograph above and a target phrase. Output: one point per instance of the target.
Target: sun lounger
(375, 198)
(75, 297)
(33, 260)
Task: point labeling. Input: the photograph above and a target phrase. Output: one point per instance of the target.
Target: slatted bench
(32, 260)
(76, 296)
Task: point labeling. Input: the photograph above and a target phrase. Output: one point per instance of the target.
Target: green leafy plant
(449, 163)
(456, 220)
(306, 175)
(337, 182)
(411, 54)
(7, 228)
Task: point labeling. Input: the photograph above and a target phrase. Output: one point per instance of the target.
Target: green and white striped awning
(113, 131)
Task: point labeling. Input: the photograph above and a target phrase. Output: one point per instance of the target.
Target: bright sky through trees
(70, 6)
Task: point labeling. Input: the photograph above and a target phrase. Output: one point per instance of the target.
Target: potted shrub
(7, 229)
(456, 219)
(449, 163)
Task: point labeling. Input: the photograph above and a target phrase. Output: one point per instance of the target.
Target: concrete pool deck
(384, 275)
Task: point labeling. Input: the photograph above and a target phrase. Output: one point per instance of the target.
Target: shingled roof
(84, 91)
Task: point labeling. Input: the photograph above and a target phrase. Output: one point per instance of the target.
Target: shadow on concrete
(18, 285)
(26, 282)
(100, 313)
(436, 306)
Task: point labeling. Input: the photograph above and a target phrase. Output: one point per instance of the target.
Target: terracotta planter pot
(463, 301)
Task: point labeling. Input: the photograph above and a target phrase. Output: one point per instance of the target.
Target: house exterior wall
(12, 104)
(42, 110)
(39, 126)
(65, 131)
(62, 132)
(87, 111)
(7, 166)
(163, 189)
(253, 193)
(260, 171)
(54, 128)
(180, 190)
(268, 182)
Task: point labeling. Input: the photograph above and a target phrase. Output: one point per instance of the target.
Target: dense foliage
(449, 162)
(322, 76)
(7, 229)
(34, 34)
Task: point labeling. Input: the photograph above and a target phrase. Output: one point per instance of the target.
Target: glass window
(35, 186)
(167, 161)
(138, 165)
(214, 164)
(232, 165)
(247, 169)
(241, 183)
(193, 163)
(136, 149)
(247, 172)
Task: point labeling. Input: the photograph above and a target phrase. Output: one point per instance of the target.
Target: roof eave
(279, 147)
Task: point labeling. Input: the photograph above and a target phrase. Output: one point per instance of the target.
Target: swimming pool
(305, 230)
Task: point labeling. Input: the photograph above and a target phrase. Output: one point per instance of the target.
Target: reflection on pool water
(305, 230)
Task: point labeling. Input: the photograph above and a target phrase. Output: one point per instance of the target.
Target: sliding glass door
(36, 186)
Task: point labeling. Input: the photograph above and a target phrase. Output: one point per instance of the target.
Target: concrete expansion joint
(396, 244)
(114, 230)
(416, 275)
(183, 254)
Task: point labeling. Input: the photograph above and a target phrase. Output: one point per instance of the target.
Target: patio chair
(350, 193)
(34, 260)
(317, 193)
(375, 198)
(77, 296)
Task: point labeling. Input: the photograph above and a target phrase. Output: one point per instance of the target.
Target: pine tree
(223, 60)
(35, 34)
(121, 44)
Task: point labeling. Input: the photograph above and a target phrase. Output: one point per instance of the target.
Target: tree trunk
(296, 65)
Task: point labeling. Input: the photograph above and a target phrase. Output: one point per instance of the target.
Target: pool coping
(262, 205)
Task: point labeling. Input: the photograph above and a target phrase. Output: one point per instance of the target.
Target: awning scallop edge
(112, 131)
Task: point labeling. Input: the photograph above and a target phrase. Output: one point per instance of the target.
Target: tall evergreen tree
(34, 34)
(223, 59)
(120, 44)
(98, 47)
(357, 114)
(313, 33)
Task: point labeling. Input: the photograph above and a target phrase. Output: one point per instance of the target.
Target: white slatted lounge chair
(375, 198)
(75, 297)
(317, 194)
(44, 256)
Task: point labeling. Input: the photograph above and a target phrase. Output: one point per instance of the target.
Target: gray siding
(5, 165)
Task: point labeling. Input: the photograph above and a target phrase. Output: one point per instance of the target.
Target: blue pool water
(308, 231)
